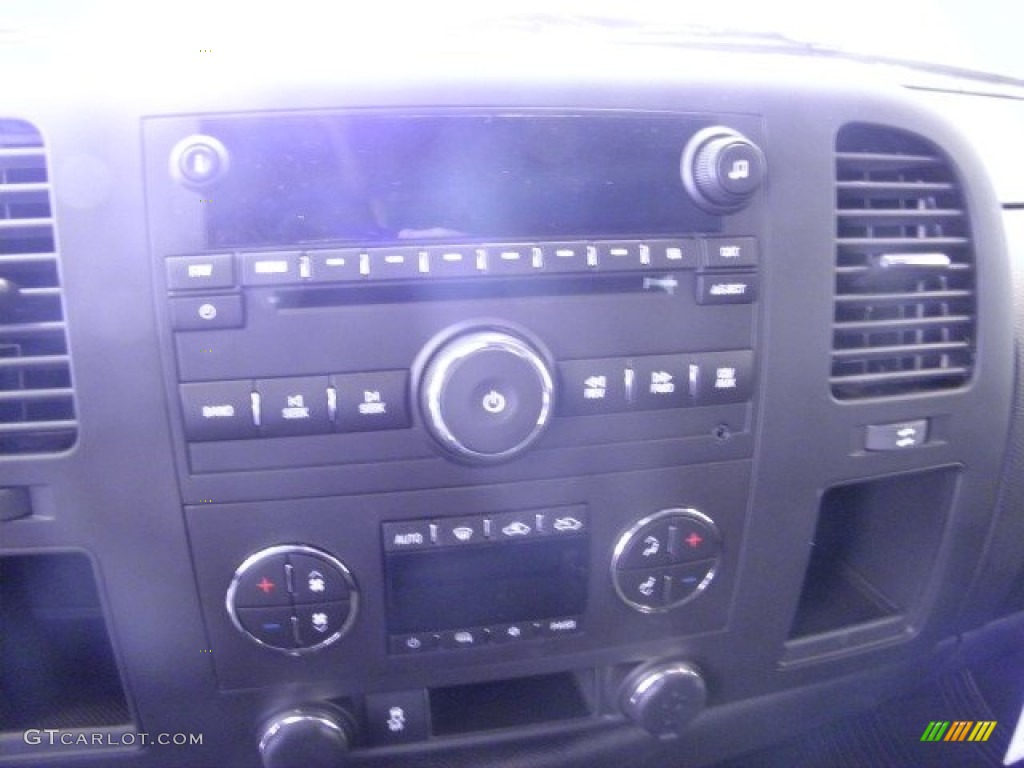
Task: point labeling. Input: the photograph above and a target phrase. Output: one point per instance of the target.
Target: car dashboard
(643, 410)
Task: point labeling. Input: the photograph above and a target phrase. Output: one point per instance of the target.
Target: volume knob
(722, 169)
(487, 395)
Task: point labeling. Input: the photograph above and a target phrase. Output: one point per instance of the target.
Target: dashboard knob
(722, 169)
(662, 699)
(308, 737)
(487, 395)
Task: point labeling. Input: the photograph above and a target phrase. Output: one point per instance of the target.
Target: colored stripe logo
(958, 730)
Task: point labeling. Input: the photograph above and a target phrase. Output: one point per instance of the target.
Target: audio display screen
(458, 588)
(384, 179)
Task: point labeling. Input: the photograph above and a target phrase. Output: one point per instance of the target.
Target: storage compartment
(875, 549)
(511, 703)
(57, 667)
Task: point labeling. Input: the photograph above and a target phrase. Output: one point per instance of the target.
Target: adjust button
(218, 410)
(896, 437)
(648, 547)
(646, 588)
(399, 537)
(317, 581)
(593, 386)
(691, 539)
(371, 401)
(188, 273)
(463, 530)
(397, 717)
(685, 580)
(514, 526)
(662, 381)
(730, 252)
(722, 377)
(673, 254)
(726, 289)
(319, 623)
(463, 638)
(565, 626)
(511, 633)
(262, 584)
(296, 406)
(271, 626)
(420, 642)
(202, 313)
(566, 521)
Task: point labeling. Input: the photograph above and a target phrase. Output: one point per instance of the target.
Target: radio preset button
(594, 386)
(674, 254)
(202, 313)
(619, 255)
(726, 289)
(453, 261)
(392, 263)
(730, 252)
(336, 265)
(371, 401)
(661, 381)
(295, 406)
(273, 268)
(722, 377)
(218, 410)
(515, 259)
(189, 273)
(564, 257)
(399, 537)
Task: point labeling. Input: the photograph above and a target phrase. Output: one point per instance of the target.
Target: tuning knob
(662, 699)
(487, 395)
(308, 737)
(722, 169)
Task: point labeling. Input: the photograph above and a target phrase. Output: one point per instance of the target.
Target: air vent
(904, 303)
(37, 410)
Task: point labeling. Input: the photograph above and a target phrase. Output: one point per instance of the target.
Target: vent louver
(37, 411)
(904, 303)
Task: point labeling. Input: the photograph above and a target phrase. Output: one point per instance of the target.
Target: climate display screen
(458, 588)
(378, 178)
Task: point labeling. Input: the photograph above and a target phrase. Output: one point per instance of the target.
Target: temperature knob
(662, 699)
(308, 737)
(722, 169)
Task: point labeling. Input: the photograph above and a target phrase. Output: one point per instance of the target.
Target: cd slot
(449, 290)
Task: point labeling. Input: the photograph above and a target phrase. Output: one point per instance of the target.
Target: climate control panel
(293, 598)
